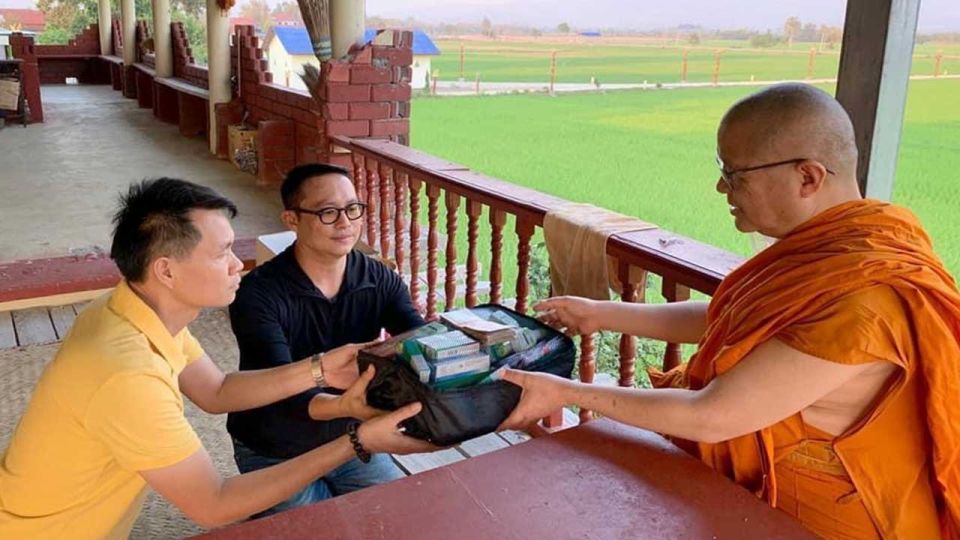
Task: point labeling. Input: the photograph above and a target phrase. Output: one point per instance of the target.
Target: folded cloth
(576, 237)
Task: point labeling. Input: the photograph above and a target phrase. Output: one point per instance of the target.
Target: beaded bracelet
(358, 448)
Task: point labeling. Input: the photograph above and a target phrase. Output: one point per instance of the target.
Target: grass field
(651, 154)
(507, 61)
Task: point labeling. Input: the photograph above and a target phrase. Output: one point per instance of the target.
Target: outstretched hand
(572, 315)
(340, 365)
(353, 402)
(384, 434)
(542, 395)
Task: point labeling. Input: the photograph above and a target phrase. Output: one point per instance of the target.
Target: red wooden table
(601, 480)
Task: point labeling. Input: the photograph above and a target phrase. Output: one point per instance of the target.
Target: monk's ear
(813, 175)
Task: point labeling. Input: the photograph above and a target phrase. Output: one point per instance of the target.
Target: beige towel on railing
(576, 237)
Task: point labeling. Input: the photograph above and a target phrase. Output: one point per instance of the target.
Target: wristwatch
(316, 369)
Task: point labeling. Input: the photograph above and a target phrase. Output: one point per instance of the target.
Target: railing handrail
(682, 260)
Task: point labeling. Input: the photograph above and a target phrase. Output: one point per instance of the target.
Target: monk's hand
(384, 433)
(340, 368)
(572, 315)
(543, 394)
(353, 402)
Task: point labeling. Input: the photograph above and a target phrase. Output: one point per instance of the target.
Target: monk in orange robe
(827, 364)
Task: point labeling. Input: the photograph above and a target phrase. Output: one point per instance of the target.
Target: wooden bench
(182, 103)
(115, 65)
(145, 90)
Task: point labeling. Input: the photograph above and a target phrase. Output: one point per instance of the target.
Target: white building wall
(421, 68)
(286, 68)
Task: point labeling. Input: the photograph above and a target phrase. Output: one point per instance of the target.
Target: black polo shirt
(279, 317)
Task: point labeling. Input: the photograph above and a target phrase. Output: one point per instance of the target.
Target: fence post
(683, 66)
(811, 61)
(461, 61)
(553, 70)
(716, 66)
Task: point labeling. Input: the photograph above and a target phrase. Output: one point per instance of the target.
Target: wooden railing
(392, 179)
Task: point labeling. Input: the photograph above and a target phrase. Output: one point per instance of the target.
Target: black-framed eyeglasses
(331, 214)
(728, 175)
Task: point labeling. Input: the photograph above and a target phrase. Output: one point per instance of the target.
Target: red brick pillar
(130, 82)
(24, 49)
(116, 37)
(226, 114)
(116, 70)
(276, 150)
(369, 94)
(182, 54)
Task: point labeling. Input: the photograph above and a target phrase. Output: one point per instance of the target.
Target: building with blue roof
(288, 48)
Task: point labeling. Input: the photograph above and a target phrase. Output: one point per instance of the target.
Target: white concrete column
(218, 64)
(162, 47)
(347, 21)
(128, 23)
(104, 21)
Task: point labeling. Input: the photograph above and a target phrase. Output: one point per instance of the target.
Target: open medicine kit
(447, 366)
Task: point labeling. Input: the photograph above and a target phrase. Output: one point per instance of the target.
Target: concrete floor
(59, 180)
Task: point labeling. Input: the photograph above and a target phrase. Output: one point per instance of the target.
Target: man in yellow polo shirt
(106, 418)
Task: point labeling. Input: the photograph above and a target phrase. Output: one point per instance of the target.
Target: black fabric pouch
(458, 414)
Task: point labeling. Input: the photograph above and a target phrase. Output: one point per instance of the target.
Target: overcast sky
(935, 15)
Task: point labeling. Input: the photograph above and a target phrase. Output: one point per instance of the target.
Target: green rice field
(650, 154)
(611, 62)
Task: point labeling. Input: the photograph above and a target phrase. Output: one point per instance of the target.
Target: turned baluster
(433, 239)
(474, 209)
(498, 218)
(359, 174)
(399, 192)
(360, 180)
(628, 343)
(415, 241)
(372, 190)
(386, 175)
(588, 366)
(673, 292)
(524, 234)
(450, 283)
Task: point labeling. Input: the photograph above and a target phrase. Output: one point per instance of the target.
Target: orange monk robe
(857, 283)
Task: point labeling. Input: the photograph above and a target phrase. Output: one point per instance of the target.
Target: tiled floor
(59, 180)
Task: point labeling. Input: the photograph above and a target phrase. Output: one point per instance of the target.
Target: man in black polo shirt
(316, 295)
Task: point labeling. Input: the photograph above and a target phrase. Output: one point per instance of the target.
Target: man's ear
(290, 219)
(162, 270)
(813, 175)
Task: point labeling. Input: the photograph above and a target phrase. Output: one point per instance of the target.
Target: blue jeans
(351, 476)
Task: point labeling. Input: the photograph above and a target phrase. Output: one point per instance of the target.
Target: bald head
(793, 120)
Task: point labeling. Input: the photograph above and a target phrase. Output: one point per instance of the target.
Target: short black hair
(152, 220)
(290, 190)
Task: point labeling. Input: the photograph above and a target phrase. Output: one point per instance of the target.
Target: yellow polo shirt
(108, 405)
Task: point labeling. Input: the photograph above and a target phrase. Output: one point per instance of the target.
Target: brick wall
(142, 34)
(116, 37)
(77, 59)
(24, 49)
(86, 42)
(184, 66)
(365, 96)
